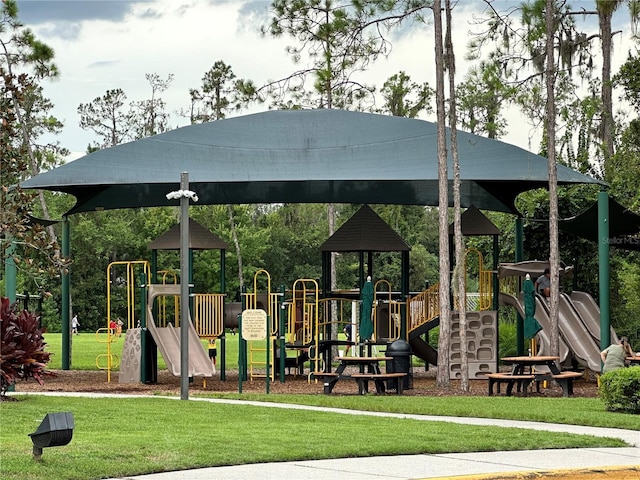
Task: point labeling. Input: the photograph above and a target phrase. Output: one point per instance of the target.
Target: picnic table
(635, 360)
(368, 370)
(524, 372)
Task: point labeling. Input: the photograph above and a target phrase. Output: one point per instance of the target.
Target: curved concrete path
(579, 463)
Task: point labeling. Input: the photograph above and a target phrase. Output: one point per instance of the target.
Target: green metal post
(603, 268)
(243, 342)
(241, 353)
(268, 365)
(151, 349)
(494, 275)
(10, 273)
(519, 234)
(191, 300)
(66, 299)
(405, 294)
(223, 338)
(144, 374)
(281, 332)
(154, 266)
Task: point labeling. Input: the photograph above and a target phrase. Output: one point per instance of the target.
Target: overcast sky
(106, 44)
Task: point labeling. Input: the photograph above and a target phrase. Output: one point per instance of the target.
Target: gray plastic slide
(168, 339)
(576, 334)
(543, 339)
(590, 314)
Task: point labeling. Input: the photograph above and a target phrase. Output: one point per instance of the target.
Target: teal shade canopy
(301, 156)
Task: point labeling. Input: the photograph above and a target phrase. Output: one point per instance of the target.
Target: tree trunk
(331, 214)
(232, 225)
(604, 19)
(442, 378)
(459, 270)
(554, 262)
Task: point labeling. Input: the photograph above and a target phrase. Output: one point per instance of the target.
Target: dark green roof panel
(300, 156)
(365, 232)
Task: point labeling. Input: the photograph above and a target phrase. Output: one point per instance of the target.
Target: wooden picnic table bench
(330, 379)
(563, 379)
(368, 369)
(522, 380)
(396, 379)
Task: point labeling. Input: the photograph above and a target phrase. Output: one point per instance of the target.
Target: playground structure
(304, 322)
(578, 318)
(303, 326)
(264, 145)
(154, 309)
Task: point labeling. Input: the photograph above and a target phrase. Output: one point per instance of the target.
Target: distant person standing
(213, 353)
(119, 325)
(347, 333)
(112, 327)
(74, 325)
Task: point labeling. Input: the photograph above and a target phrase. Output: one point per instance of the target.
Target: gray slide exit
(423, 350)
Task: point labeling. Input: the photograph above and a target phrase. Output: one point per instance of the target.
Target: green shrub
(22, 353)
(620, 390)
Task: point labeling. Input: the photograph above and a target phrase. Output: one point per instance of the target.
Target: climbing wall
(130, 361)
(482, 344)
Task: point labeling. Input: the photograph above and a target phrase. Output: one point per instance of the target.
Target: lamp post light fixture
(55, 430)
(184, 194)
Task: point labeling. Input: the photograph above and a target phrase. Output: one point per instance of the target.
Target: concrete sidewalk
(610, 463)
(582, 464)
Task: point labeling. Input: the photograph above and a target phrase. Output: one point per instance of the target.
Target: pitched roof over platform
(199, 239)
(365, 232)
(300, 156)
(475, 223)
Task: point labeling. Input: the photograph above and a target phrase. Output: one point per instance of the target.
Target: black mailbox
(55, 430)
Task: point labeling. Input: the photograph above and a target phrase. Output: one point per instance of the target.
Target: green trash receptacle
(400, 353)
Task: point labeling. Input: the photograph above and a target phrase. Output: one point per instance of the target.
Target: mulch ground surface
(423, 384)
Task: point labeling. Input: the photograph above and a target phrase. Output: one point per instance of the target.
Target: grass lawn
(130, 436)
(86, 347)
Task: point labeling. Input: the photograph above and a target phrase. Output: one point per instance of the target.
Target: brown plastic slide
(576, 334)
(590, 313)
(544, 342)
(168, 339)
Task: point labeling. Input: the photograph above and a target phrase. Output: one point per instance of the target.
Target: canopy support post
(603, 268)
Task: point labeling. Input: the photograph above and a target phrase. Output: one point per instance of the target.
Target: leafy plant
(22, 350)
(620, 390)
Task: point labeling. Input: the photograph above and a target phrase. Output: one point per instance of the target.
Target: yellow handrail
(111, 364)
